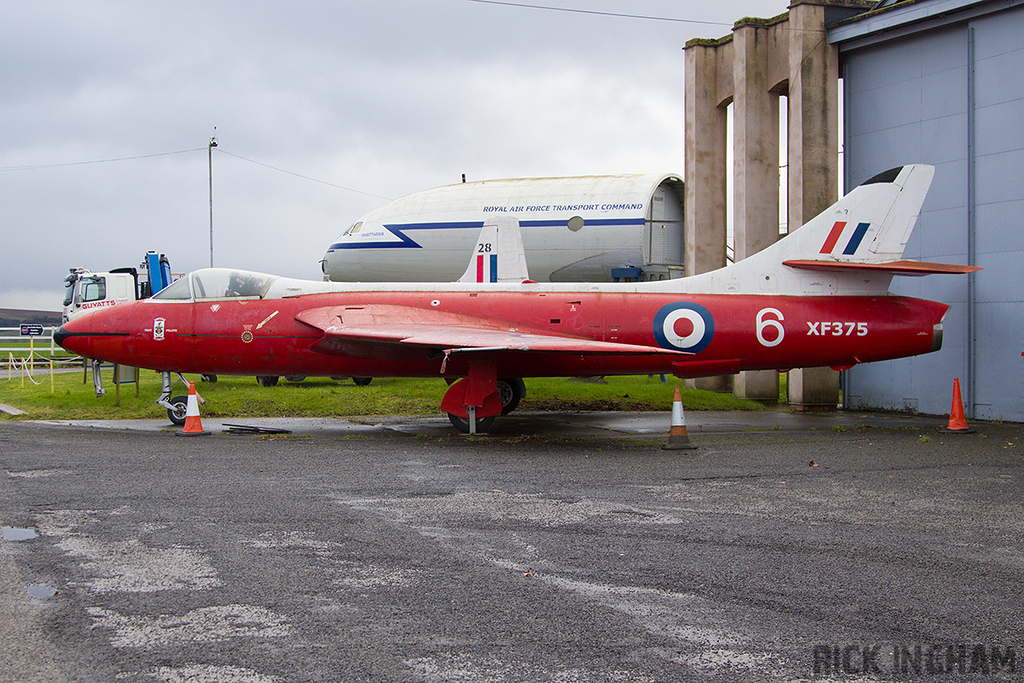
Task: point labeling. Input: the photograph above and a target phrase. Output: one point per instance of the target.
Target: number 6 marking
(776, 324)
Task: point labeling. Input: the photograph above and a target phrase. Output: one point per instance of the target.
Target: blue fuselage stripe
(406, 242)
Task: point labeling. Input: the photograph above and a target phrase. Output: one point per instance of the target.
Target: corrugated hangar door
(663, 230)
(952, 96)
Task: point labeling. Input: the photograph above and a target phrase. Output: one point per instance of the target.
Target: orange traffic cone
(193, 425)
(957, 420)
(677, 437)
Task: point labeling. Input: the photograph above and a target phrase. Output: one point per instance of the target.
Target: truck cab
(85, 291)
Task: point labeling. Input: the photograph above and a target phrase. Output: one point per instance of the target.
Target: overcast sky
(107, 107)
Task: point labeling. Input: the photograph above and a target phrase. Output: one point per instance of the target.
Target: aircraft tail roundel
(498, 255)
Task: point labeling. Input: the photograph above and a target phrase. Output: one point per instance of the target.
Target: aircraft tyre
(511, 390)
(208, 378)
(295, 378)
(462, 423)
(266, 380)
(362, 381)
(177, 414)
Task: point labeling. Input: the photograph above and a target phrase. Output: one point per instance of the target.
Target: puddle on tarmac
(15, 534)
(38, 590)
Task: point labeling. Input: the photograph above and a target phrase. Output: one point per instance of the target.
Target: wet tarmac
(558, 548)
(610, 424)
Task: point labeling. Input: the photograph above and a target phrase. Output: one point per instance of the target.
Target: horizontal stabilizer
(902, 267)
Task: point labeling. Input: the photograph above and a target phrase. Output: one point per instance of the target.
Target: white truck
(86, 291)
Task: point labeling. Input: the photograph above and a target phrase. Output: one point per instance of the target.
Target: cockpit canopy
(218, 283)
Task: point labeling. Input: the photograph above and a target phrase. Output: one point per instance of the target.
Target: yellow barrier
(27, 367)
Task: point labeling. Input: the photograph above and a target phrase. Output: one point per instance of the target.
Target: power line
(36, 167)
(602, 14)
(221, 150)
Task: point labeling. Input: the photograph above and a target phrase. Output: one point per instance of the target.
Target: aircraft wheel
(266, 380)
(511, 390)
(177, 414)
(362, 381)
(208, 378)
(295, 378)
(462, 423)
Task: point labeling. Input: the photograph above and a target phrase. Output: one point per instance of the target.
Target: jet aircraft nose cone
(60, 334)
(71, 336)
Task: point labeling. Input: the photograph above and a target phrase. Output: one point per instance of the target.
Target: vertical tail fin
(498, 255)
(856, 245)
(872, 223)
(868, 229)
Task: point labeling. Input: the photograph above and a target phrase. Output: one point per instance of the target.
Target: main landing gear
(479, 401)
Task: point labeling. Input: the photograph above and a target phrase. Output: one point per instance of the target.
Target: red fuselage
(714, 334)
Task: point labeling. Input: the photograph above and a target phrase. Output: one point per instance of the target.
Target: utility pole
(209, 150)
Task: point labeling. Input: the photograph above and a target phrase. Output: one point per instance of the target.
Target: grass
(73, 398)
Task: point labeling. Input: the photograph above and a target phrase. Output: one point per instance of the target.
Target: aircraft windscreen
(224, 283)
(177, 290)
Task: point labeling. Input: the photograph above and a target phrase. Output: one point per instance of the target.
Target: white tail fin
(853, 247)
(498, 255)
(872, 223)
(861, 239)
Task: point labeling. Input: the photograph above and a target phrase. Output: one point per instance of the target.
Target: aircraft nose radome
(67, 335)
(60, 334)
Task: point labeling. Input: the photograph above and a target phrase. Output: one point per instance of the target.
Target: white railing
(12, 341)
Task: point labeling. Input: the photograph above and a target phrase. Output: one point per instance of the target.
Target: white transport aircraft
(575, 229)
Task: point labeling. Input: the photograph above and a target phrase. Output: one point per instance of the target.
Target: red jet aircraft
(818, 297)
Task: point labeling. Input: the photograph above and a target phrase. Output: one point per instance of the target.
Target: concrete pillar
(762, 58)
(756, 170)
(813, 160)
(705, 168)
(755, 145)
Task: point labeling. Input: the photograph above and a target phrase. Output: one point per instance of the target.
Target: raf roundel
(684, 326)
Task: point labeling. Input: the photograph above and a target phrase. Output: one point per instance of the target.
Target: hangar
(923, 81)
(942, 82)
